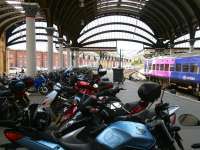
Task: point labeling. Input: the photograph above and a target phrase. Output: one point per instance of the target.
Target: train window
(185, 68)
(154, 67)
(166, 67)
(171, 67)
(150, 66)
(193, 68)
(162, 67)
(178, 67)
(157, 67)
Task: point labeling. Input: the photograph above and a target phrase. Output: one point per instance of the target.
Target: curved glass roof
(116, 28)
(18, 37)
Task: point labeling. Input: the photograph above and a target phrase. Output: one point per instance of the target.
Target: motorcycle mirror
(188, 120)
(95, 86)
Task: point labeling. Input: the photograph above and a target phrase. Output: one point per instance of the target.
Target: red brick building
(17, 58)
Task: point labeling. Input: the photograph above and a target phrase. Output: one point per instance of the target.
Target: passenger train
(178, 72)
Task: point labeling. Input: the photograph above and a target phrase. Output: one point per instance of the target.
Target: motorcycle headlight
(95, 86)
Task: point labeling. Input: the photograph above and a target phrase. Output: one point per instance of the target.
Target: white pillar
(192, 41)
(191, 48)
(50, 31)
(76, 58)
(68, 57)
(30, 11)
(61, 53)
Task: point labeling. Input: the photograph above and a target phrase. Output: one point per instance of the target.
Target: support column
(61, 57)
(68, 57)
(192, 41)
(50, 31)
(30, 11)
(76, 62)
(3, 55)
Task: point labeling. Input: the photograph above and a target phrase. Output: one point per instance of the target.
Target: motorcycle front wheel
(43, 90)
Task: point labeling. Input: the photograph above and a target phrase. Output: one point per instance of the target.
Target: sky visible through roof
(129, 49)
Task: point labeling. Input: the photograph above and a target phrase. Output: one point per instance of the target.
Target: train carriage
(181, 72)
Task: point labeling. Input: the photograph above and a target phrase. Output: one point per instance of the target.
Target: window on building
(162, 67)
(186, 68)
(178, 67)
(193, 68)
(154, 67)
(166, 67)
(157, 67)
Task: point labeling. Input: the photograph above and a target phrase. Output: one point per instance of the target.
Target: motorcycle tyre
(43, 90)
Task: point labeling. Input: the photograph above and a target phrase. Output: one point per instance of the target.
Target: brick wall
(17, 58)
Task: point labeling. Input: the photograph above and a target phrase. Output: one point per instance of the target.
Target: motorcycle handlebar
(110, 92)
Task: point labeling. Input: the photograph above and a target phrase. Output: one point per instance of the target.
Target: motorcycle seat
(5, 93)
(131, 105)
(105, 79)
(104, 83)
(70, 146)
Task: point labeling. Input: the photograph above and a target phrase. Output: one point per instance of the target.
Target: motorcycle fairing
(126, 134)
(38, 144)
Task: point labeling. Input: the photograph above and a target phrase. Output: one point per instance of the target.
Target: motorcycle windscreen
(172, 109)
(126, 134)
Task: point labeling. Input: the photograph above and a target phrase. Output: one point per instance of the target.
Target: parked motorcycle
(39, 84)
(153, 134)
(13, 100)
(34, 139)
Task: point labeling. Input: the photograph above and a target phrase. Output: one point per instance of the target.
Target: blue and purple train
(180, 72)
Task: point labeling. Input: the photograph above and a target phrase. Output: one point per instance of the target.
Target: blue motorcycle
(121, 135)
(40, 85)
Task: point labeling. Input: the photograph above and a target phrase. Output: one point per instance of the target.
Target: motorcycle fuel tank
(126, 134)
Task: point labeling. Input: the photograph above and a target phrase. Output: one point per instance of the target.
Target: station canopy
(167, 19)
